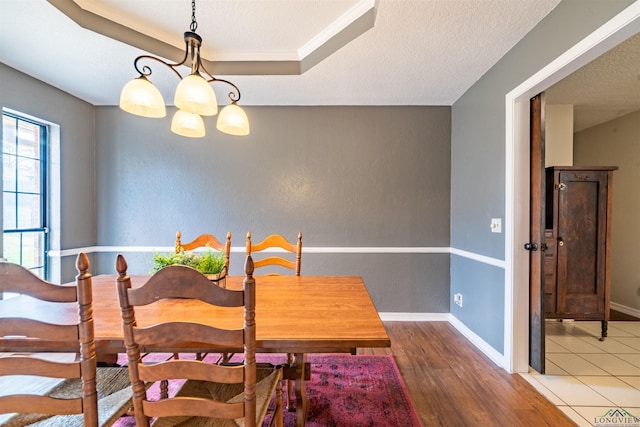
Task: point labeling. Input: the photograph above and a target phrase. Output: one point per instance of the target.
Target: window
(24, 174)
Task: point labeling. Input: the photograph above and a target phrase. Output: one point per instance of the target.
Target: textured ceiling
(606, 88)
(335, 52)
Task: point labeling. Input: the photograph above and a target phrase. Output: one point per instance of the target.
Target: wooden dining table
(294, 314)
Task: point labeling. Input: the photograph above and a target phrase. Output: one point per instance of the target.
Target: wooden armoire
(578, 243)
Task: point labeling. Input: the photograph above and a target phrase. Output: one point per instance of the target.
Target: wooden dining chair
(202, 241)
(63, 389)
(271, 242)
(205, 240)
(276, 241)
(211, 394)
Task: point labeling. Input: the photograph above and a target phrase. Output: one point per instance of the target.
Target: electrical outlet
(457, 298)
(496, 225)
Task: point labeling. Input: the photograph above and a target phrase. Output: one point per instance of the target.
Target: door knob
(561, 186)
(560, 242)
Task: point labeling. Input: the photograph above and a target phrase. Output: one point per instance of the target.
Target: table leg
(302, 401)
(290, 383)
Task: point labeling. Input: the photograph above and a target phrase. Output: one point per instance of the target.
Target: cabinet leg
(605, 326)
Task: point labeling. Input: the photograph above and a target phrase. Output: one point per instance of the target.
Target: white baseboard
(481, 344)
(415, 317)
(626, 310)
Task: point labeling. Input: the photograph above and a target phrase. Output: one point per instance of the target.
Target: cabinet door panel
(581, 235)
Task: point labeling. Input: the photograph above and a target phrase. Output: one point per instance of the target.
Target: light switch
(496, 225)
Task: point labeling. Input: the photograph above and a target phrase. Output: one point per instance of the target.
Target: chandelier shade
(194, 95)
(233, 120)
(142, 98)
(187, 124)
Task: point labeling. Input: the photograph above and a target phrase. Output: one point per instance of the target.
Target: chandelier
(194, 95)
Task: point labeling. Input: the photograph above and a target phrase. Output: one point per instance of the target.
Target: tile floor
(585, 377)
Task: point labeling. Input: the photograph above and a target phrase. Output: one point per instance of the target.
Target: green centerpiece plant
(209, 262)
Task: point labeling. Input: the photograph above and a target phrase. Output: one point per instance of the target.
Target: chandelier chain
(194, 24)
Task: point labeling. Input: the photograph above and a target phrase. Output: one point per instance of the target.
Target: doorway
(621, 27)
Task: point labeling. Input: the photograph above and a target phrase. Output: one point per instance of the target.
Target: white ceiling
(347, 52)
(419, 52)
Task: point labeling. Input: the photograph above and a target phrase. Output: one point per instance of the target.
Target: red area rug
(348, 391)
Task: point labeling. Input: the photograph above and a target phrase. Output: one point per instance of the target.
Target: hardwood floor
(454, 384)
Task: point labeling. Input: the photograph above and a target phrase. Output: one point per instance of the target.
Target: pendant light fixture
(194, 95)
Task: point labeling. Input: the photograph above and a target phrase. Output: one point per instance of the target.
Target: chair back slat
(17, 279)
(31, 365)
(198, 371)
(200, 241)
(273, 241)
(193, 407)
(179, 281)
(186, 333)
(37, 329)
(274, 260)
(28, 403)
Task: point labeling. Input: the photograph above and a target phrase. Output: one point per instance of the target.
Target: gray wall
(617, 143)
(478, 157)
(76, 119)
(369, 177)
(344, 176)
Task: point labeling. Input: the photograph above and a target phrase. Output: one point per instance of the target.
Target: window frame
(43, 160)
